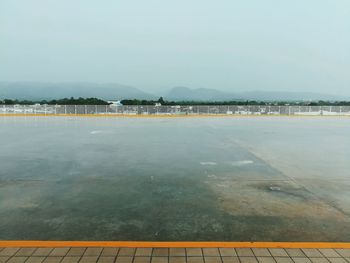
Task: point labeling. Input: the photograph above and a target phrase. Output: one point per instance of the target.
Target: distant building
(115, 102)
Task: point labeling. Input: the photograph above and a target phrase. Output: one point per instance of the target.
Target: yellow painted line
(167, 115)
(174, 244)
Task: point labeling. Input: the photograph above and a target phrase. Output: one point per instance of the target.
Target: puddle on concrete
(154, 179)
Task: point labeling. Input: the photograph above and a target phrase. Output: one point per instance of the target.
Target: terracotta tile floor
(172, 255)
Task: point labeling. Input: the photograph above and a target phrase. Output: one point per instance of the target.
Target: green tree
(161, 100)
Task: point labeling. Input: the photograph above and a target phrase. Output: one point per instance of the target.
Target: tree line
(96, 101)
(65, 101)
(234, 102)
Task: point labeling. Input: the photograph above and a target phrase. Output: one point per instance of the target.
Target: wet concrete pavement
(234, 179)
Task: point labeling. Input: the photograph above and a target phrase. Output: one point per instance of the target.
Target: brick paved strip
(172, 255)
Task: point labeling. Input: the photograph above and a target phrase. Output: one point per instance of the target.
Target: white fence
(173, 110)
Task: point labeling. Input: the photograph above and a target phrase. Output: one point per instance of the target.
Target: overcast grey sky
(299, 45)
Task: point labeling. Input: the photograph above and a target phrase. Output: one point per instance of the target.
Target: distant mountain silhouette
(113, 91)
(183, 93)
(187, 94)
(40, 91)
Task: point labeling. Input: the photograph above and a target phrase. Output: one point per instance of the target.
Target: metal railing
(172, 110)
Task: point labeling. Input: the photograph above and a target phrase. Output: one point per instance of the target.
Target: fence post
(75, 109)
(65, 109)
(289, 110)
(45, 109)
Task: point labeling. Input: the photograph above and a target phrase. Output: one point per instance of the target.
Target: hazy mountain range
(41, 91)
(113, 91)
(183, 93)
